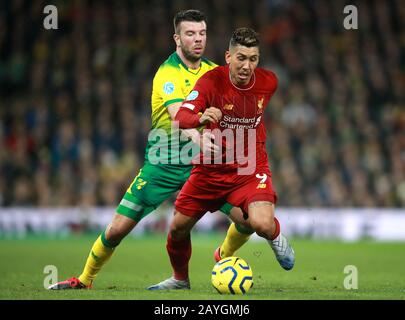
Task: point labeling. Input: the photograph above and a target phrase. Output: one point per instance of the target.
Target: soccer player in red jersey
(232, 99)
(158, 180)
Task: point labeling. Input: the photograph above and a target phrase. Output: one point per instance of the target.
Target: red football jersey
(242, 111)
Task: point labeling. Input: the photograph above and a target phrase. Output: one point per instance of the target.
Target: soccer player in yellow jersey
(163, 172)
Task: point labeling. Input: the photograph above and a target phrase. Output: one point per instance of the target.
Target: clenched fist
(211, 114)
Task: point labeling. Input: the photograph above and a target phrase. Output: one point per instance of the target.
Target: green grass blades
(137, 263)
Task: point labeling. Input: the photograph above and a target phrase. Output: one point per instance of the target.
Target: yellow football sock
(99, 254)
(234, 240)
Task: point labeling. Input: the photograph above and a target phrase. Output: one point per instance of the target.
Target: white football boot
(284, 252)
(171, 284)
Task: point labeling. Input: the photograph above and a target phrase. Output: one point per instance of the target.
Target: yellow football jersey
(172, 83)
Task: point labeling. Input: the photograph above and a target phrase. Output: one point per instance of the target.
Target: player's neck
(190, 64)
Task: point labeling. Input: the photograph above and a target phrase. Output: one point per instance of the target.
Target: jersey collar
(179, 61)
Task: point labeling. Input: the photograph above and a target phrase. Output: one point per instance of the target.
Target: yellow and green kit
(164, 172)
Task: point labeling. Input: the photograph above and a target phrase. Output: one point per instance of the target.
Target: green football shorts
(153, 185)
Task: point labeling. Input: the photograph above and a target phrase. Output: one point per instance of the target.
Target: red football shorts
(208, 189)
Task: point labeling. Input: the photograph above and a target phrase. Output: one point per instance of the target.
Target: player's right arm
(211, 114)
(202, 140)
(189, 119)
(198, 102)
(173, 109)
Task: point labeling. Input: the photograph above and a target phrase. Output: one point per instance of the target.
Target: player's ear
(176, 38)
(227, 57)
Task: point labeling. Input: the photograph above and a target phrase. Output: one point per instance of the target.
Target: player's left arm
(192, 134)
(204, 141)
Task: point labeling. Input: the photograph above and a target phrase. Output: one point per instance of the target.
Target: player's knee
(178, 233)
(118, 229)
(263, 227)
(114, 235)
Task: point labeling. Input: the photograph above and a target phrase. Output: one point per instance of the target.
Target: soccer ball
(232, 275)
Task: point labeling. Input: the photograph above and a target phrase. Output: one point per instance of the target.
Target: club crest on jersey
(140, 183)
(168, 88)
(192, 95)
(260, 105)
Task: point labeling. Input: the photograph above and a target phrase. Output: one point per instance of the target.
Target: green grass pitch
(140, 262)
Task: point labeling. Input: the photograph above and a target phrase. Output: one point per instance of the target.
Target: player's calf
(279, 243)
(266, 225)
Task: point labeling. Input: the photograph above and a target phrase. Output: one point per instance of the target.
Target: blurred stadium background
(75, 111)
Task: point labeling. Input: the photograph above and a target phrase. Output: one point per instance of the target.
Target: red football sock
(179, 252)
(277, 231)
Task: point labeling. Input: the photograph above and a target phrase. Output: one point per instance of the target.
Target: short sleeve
(167, 85)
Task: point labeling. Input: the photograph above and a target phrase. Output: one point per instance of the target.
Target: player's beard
(189, 55)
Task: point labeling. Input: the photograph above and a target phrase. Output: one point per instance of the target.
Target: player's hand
(211, 114)
(207, 145)
(192, 134)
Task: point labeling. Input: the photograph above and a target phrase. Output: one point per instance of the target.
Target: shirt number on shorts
(263, 178)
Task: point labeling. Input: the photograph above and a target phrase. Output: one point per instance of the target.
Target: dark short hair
(245, 37)
(187, 15)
